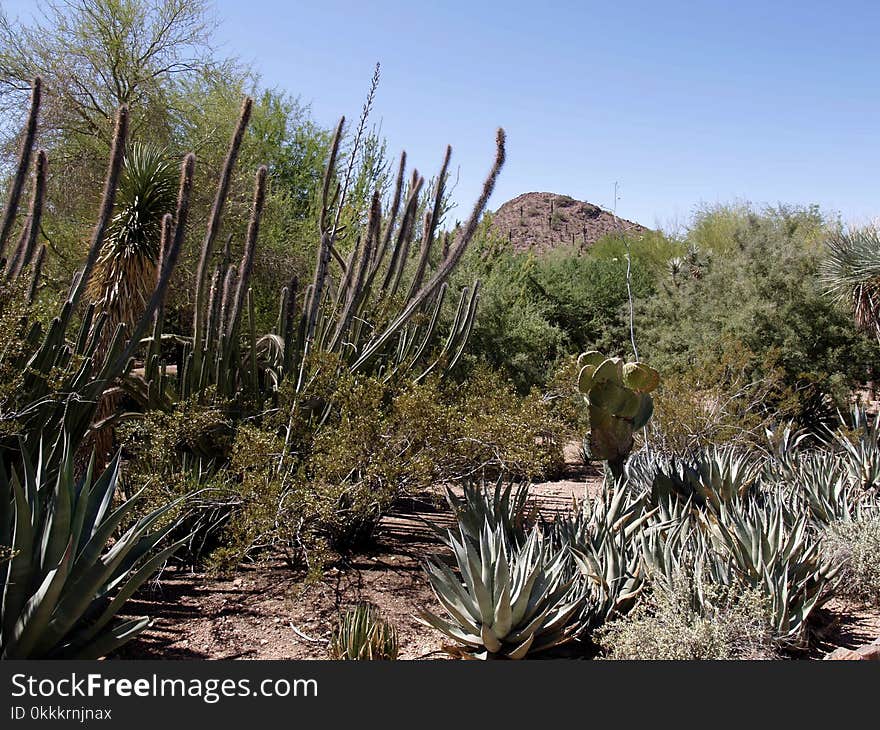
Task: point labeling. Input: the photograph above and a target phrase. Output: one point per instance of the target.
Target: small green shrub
(672, 623)
(322, 488)
(855, 548)
(362, 634)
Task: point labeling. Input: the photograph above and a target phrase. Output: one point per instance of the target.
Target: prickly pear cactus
(618, 400)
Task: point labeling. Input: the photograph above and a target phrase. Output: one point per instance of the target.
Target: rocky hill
(544, 221)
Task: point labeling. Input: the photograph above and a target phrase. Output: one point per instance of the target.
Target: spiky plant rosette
(850, 272)
(774, 550)
(79, 555)
(509, 601)
(363, 635)
(125, 272)
(506, 505)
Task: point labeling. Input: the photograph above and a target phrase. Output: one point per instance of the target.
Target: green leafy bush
(760, 292)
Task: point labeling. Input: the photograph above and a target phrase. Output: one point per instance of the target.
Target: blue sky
(681, 103)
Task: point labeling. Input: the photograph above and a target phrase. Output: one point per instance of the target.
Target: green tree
(761, 295)
(96, 55)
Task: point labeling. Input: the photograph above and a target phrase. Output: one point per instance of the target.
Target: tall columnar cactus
(619, 403)
(375, 309)
(64, 369)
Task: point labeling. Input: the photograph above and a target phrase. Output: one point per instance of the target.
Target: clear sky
(679, 102)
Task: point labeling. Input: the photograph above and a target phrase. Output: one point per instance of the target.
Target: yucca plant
(509, 601)
(362, 634)
(850, 273)
(79, 556)
(125, 272)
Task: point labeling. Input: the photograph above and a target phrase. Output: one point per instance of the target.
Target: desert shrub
(159, 443)
(719, 400)
(319, 490)
(855, 547)
(17, 318)
(675, 622)
(564, 398)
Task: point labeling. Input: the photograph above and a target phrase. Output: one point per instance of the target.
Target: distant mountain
(544, 221)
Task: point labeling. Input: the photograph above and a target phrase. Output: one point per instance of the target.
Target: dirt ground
(266, 611)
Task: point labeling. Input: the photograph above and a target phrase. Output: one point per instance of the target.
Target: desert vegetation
(256, 356)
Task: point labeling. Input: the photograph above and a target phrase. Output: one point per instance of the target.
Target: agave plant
(510, 601)
(676, 544)
(818, 484)
(859, 442)
(72, 570)
(772, 549)
(601, 534)
(784, 445)
(709, 477)
(363, 635)
(505, 506)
